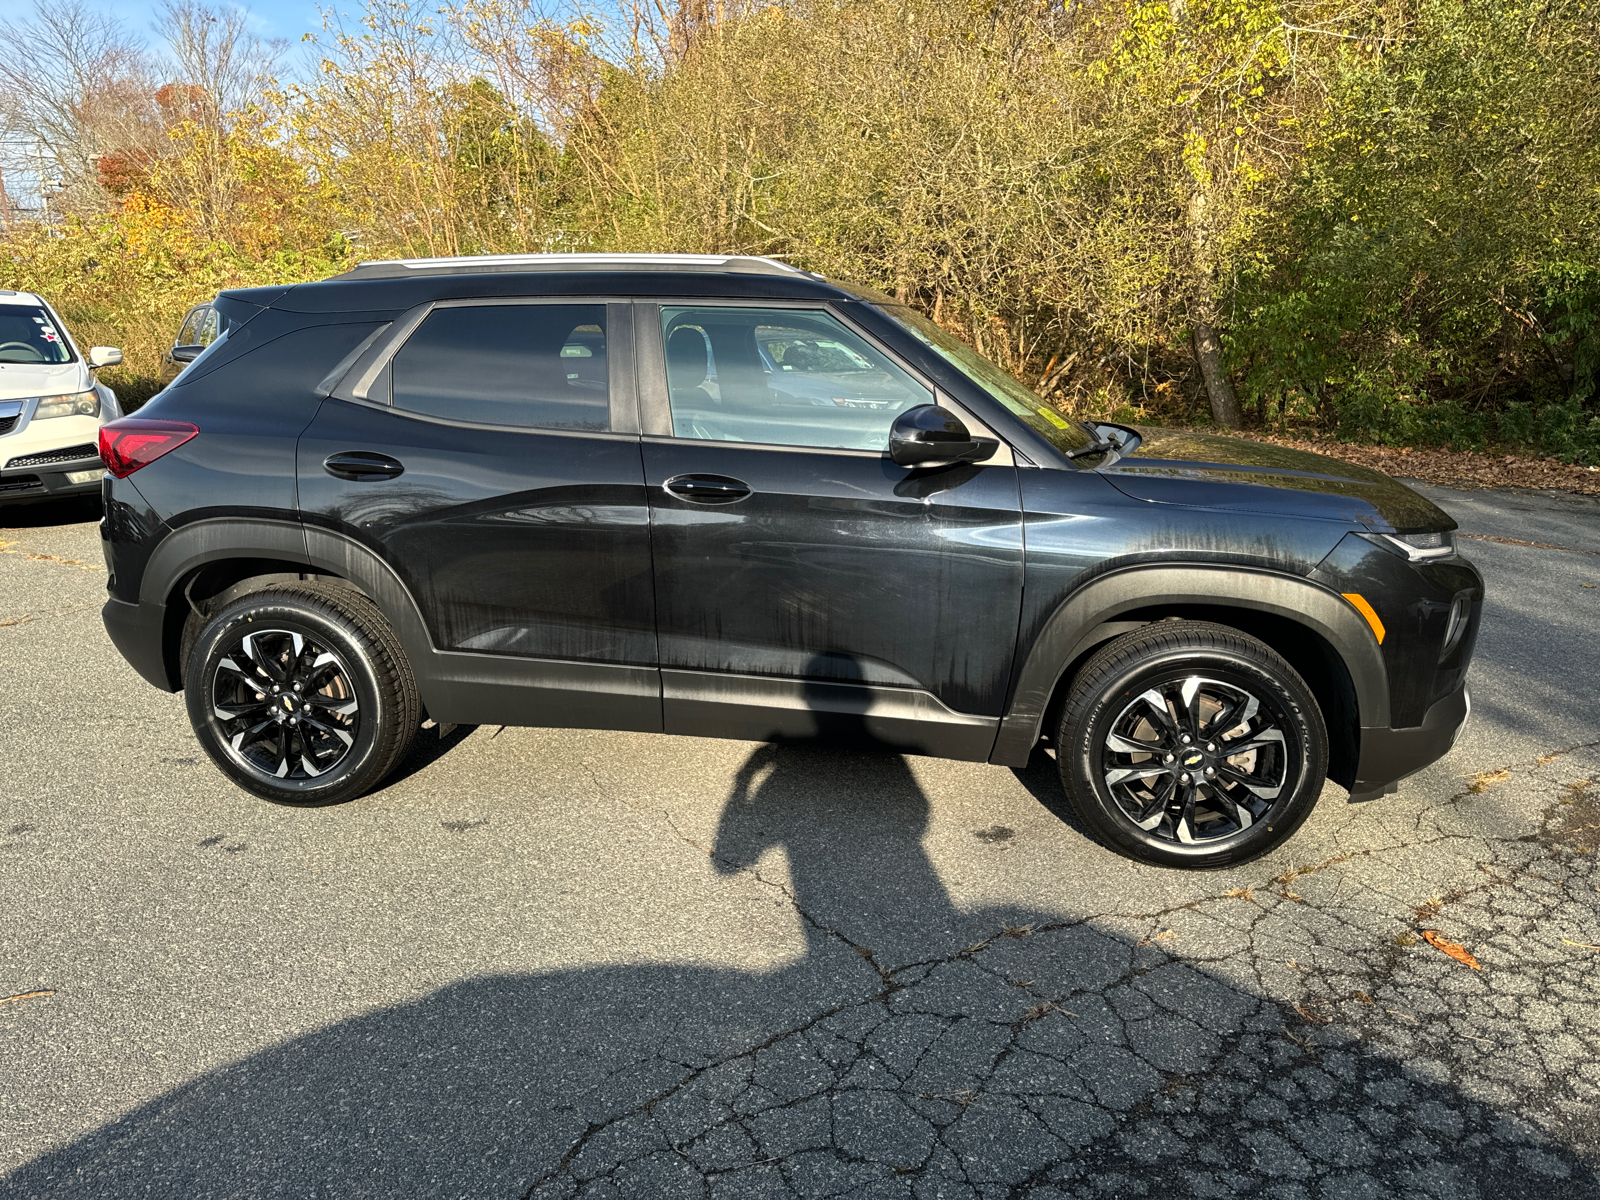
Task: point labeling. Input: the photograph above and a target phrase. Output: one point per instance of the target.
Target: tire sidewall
(1283, 688)
(262, 612)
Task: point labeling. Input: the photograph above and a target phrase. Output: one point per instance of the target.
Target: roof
(745, 264)
(7, 296)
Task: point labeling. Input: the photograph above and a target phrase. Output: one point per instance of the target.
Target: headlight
(79, 404)
(1418, 547)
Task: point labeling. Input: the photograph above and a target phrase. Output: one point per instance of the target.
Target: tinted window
(532, 365)
(28, 334)
(786, 377)
(206, 332)
(186, 331)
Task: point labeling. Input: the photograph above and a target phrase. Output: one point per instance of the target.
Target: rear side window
(536, 366)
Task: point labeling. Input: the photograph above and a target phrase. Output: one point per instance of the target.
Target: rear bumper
(136, 632)
(1389, 755)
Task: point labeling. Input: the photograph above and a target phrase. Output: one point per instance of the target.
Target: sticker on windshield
(1055, 418)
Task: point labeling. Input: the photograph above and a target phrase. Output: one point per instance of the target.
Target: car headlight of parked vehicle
(78, 404)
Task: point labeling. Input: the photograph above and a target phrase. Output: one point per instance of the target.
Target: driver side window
(780, 377)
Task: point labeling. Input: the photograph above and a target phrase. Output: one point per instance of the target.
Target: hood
(1204, 471)
(22, 381)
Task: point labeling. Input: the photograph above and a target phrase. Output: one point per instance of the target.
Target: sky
(286, 19)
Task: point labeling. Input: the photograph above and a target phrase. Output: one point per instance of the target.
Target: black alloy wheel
(301, 693)
(284, 705)
(1192, 744)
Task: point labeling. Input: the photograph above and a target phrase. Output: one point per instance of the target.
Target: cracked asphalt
(546, 963)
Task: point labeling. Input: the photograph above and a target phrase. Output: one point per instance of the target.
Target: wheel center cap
(1193, 759)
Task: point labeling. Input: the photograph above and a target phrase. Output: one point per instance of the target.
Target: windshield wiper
(1098, 446)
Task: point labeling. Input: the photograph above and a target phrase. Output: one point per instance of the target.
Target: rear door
(805, 584)
(493, 463)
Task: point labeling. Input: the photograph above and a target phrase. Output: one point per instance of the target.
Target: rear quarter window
(278, 376)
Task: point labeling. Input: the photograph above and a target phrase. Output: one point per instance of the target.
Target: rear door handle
(362, 465)
(707, 489)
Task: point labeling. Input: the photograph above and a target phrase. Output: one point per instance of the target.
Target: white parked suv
(51, 405)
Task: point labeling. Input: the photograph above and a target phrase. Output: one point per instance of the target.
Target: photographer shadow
(863, 1067)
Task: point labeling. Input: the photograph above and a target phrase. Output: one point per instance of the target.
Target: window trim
(655, 404)
(367, 379)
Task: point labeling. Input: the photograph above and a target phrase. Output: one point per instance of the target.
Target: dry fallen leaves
(1484, 780)
(1459, 953)
(1451, 468)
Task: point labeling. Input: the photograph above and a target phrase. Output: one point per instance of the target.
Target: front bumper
(39, 458)
(51, 474)
(1389, 755)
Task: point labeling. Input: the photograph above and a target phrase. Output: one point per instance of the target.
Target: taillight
(135, 442)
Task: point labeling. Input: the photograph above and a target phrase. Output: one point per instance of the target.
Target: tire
(321, 655)
(1244, 781)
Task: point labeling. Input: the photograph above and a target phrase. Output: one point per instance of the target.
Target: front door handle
(707, 489)
(362, 465)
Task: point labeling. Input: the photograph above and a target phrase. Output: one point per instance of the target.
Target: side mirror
(928, 435)
(185, 354)
(104, 356)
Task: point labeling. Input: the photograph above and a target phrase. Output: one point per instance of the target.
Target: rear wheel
(1191, 744)
(301, 694)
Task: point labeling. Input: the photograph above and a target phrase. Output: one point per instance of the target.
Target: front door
(496, 477)
(805, 584)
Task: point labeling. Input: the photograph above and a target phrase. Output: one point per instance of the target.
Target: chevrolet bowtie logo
(1194, 760)
(288, 702)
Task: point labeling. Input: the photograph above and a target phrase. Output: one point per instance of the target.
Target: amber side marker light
(1365, 609)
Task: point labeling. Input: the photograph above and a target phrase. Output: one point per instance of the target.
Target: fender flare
(317, 551)
(1070, 630)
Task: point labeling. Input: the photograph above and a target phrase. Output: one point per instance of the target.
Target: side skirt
(761, 709)
(491, 689)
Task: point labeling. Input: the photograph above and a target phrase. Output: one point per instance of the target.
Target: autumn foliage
(1378, 221)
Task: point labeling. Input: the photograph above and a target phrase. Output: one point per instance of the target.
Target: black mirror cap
(185, 354)
(928, 435)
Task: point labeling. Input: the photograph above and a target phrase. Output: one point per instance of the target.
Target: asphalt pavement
(547, 963)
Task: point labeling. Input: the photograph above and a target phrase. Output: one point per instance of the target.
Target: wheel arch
(208, 564)
(1317, 632)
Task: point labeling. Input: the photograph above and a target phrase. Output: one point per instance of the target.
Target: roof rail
(391, 268)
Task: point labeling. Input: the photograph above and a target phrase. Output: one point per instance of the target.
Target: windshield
(1063, 433)
(28, 334)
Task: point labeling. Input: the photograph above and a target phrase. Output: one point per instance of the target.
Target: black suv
(721, 496)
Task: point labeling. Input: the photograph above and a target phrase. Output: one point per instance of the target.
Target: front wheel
(301, 694)
(1190, 744)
